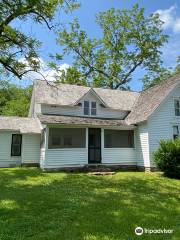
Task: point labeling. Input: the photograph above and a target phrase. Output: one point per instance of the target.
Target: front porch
(82, 146)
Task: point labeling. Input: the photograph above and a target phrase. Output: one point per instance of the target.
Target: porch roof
(20, 124)
(86, 121)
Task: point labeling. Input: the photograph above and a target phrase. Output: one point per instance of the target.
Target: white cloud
(170, 52)
(170, 18)
(177, 25)
(45, 72)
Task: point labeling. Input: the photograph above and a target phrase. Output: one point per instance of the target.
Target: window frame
(175, 136)
(64, 137)
(93, 108)
(88, 108)
(12, 144)
(177, 99)
(133, 139)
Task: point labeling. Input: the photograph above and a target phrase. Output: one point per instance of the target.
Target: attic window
(86, 107)
(93, 108)
(177, 107)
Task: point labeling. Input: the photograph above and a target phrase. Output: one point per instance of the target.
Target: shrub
(167, 158)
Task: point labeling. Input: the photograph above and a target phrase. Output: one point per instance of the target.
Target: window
(67, 138)
(118, 138)
(175, 132)
(86, 108)
(177, 107)
(93, 108)
(16, 145)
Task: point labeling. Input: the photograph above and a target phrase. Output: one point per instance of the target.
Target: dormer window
(86, 107)
(177, 107)
(90, 108)
(93, 108)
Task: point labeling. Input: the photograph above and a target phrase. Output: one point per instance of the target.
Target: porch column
(44, 147)
(102, 145)
(87, 145)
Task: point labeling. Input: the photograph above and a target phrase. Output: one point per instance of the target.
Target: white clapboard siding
(5, 150)
(31, 148)
(125, 156)
(160, 124)
(78, 110)
(142, 146)
(65, 157)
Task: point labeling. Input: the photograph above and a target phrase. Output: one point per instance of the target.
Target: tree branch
(128, 74)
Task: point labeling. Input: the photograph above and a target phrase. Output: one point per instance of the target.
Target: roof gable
(91, 92)
(150, 99)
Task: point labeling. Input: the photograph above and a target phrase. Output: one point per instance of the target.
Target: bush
(167, 158)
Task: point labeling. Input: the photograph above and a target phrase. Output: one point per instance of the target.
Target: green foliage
(72, 76)
(167, 158)
(14, 44)
(14, 101)
(153, 78)
(129, 40)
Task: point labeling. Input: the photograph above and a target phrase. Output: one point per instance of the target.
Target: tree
(72, 76)
(153, 78)
(14, 44)
(129, 40)
(14, 101)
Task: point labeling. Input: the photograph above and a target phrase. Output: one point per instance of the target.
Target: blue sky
(169, 11)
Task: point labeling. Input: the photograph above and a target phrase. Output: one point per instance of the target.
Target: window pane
(93, 104)
(67, 137)
(177, 107)
(119, 139)
(177, 111)
(175, 130)
(93, 108)
(93, 111)
(86, 104)
(16, 139)
(176, 103)
(16, 145)
(86, 108)
(86, 111)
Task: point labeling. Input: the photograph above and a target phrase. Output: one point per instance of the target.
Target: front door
(94, 147)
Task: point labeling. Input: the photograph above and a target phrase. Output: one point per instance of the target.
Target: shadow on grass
(53, 206)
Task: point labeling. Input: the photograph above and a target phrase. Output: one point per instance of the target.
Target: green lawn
(46, 206)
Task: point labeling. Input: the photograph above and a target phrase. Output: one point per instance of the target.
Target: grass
(54, 206)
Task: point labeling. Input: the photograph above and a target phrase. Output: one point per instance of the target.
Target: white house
(75, 126)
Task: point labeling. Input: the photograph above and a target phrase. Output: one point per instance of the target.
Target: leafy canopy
(14, 100)
(14, 44)
(153, 78)
(129, 40)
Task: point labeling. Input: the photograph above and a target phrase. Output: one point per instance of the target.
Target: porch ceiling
(71, 120)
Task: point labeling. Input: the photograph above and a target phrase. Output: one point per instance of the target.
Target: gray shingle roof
(68, 120)
(149, 100)
(141, 105)
(23, 125)
(66, 94)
